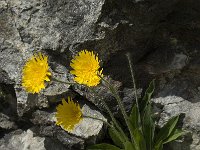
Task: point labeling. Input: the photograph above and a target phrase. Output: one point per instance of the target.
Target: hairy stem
(99, 120)
(134, 87)
(121, 106)
(111, 115)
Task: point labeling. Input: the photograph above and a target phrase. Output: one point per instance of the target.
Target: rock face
(25, 140)
(162, 37)
(6, 123)
(172, 106)
(86, 128)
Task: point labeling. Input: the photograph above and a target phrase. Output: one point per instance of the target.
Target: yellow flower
(68, 115)
(35, 72)
(86, 68)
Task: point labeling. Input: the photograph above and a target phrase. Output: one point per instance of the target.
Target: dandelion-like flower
(68, 115)
(86, 68)
(35, 73)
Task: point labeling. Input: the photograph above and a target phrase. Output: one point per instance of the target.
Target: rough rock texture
(86, 128)
(172, 106)
(90, 130)
(19, 140)
(6, 123)
(161, 35)
(102, 92)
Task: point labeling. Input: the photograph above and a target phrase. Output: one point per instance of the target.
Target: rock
(89, 127)
(162, 37)
(8, 100)
(172, 106)
(19, 140)
(86, 131)
(4, 77)
(6, 122)
(12, 62)
(51, 25)
(59, 73)
(24, 31)
(71, 142)
(102, 92)
(86, 128)
(43, 117)
(129, 98)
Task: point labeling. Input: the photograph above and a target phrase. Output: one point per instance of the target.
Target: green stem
(121, 106)
(110, 125)
(99, 120)
(134, 87)
(111, 115)
(54, 79)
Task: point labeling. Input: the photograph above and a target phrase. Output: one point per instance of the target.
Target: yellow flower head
(68, 115)
(86, 68)
(35, 72)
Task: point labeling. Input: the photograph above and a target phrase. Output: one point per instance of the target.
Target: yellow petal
(68, 115)
(35, 72)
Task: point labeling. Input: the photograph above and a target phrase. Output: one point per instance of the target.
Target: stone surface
(8, 100)
(86, 131)
(31, 25)
(162, 37)
(86, 128)
(6, 122)
(12, 62)
(102, 93)
(19, 140)
(172, 106)
(25, 141)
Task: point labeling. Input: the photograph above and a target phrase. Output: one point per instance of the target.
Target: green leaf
(139, 141)
(148, 127)
(159, 146)
(116, 137)
(103, 146)
(134, 117)
(174, 135)
(129, 146)
(166, 130)
(147, 97)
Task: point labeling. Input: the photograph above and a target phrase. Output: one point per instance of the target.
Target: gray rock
(47, 129)
(162, 36)
(8, 100)
(6, 122)
(86, 128)
(19, 140)
(86, 131)
(129, 97)
(71, 142)
(4, 77)
(102, 93)
(60, 136)
(59, 73)
(31, 25)
(56, 25)
(43, 118)
(172, 106)
(12, 62)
